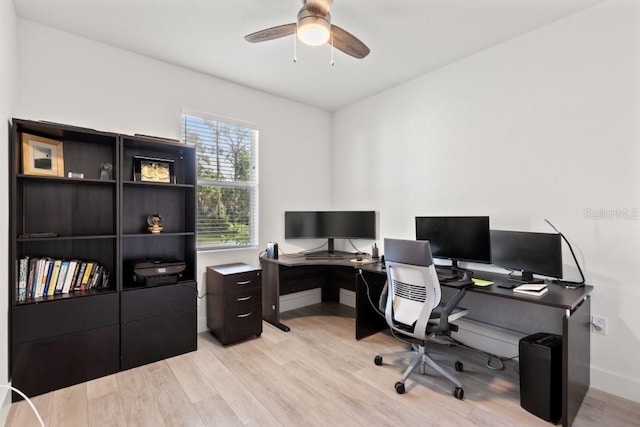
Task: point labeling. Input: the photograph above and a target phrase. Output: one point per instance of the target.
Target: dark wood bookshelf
(158, 322)
(102, 221)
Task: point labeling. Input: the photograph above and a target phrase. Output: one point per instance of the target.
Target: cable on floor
(24, 396)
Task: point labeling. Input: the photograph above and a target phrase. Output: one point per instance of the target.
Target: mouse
(467, 275)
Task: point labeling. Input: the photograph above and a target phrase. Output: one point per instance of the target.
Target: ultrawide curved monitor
(330, 225)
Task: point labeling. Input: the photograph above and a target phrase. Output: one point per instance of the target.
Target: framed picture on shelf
(41, 156)
(147, 169)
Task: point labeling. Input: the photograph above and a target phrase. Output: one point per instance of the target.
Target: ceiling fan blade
(348, 43)
(318, 6)
(271, 33)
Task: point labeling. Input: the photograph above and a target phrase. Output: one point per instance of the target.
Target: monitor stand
(527, 277)
(450, 272)
(330, 253)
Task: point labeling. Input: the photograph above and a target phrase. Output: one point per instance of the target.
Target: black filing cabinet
(234, 301)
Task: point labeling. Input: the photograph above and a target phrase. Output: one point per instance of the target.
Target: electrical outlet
(599, 325)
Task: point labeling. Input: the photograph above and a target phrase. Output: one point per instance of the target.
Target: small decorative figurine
(106, 171)
(155, 223)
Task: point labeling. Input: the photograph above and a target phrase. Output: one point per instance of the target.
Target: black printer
(154, 272)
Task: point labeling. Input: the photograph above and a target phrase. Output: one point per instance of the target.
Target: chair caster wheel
(378, 360)
(400, 387)
(459, 366)
(458, 393)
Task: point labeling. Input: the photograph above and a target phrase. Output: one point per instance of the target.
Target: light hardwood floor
(315, 375)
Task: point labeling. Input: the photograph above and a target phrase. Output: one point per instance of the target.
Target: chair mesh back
(409, 291)
(414, 293)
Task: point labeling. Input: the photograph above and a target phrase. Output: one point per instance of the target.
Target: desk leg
(576, 359)
(271, 295)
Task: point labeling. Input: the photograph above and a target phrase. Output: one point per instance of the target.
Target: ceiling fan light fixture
(314, 30)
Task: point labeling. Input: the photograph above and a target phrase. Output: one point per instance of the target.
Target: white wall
(8, 24)
(544, 126)
(68, 79)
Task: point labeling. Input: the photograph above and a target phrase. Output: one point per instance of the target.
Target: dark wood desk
(566, 312)
(295, 273)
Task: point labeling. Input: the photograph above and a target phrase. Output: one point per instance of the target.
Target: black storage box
(541, 375)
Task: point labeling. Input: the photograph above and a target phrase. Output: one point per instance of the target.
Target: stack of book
(532, 289)
(43, 277)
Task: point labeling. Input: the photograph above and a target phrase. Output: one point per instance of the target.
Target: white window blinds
(227, 173)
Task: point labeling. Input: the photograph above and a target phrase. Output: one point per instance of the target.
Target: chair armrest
(450, 305)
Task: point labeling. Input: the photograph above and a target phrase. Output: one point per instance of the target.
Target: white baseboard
(610, 382)
(491, 339)
(347, 298)
(300, 299)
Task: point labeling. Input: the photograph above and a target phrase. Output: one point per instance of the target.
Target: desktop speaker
(541, 375)
(272, 250)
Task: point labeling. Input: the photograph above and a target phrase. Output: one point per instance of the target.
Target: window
(227, 175)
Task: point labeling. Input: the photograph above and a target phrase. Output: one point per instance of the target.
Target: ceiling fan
(314, 28)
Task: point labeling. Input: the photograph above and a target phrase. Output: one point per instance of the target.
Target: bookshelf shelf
(63, 180)
(164, 185)
(159, 235)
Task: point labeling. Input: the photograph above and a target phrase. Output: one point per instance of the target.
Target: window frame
(251, 184)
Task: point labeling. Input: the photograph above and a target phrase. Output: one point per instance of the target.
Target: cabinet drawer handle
(246, 282)
(243, 299)
(240, 316)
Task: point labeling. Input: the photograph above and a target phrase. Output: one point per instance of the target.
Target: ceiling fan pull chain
(332, 63)
(295, 51)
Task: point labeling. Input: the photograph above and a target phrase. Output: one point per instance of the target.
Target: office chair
(412, 307)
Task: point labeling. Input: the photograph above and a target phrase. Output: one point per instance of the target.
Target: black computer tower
(541, 375)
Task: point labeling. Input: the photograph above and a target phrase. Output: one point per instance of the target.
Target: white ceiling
(407, 38)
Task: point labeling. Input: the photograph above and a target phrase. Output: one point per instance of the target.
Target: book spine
(32, 276)
(71, 273)
(86, 276)
(53, 280)
(62, 276)
(78, 282)
(46, 271)
(23, 274)
(95, 279)
(47, 277)
(38, 279)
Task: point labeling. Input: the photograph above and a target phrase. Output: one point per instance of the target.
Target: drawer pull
(240, 316)
(244, 298)
(246, 282)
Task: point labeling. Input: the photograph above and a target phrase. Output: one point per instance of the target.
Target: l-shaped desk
(562, 311)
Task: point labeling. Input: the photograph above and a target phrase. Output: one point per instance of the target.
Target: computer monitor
(457, 238)
(330, 225)
(527, 252)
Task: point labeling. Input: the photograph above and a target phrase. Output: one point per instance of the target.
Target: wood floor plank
(239, 398)
(106, 411)
(173, 403)
(138, 401)
(102, 387)
(70, 407)
(21, 413)
(194, 384)
(214, 411)
(315, 375)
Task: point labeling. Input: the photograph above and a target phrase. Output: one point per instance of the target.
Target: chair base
(420, 359)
